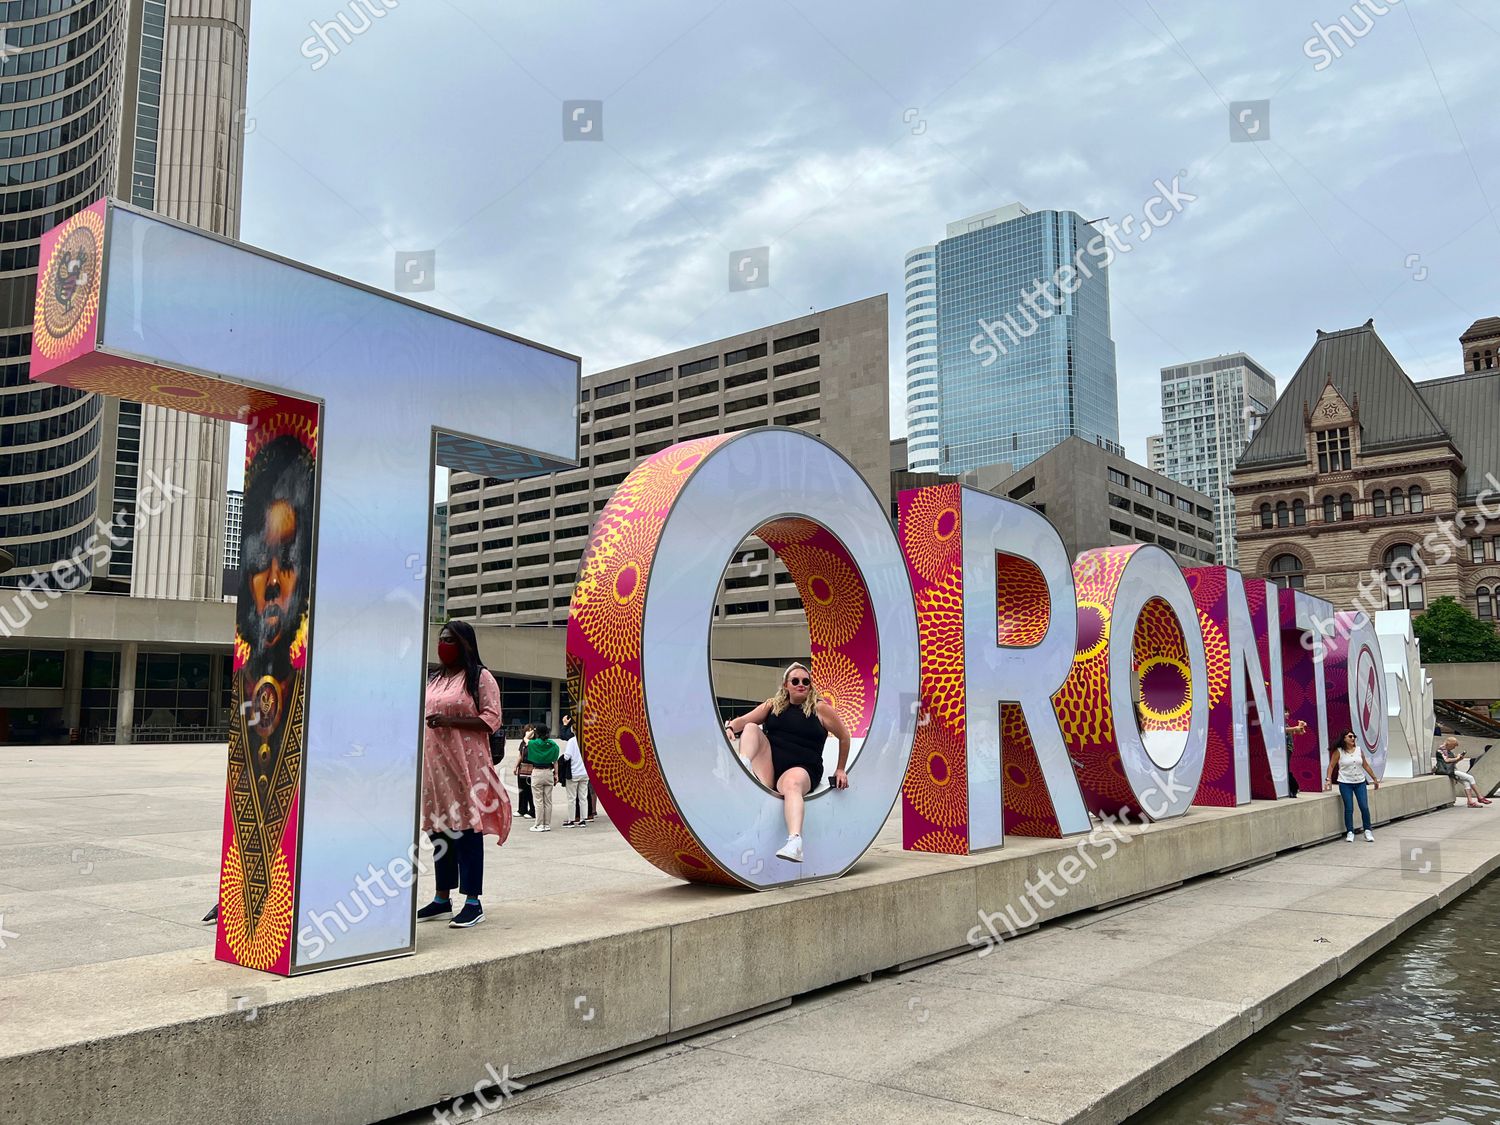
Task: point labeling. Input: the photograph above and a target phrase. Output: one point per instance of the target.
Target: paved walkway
(1084, 1020)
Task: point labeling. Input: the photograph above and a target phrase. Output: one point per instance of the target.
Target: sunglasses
(800, 681)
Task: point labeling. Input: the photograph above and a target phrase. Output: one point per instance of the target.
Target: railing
(106, 735)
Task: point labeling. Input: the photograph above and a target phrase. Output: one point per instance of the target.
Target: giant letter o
(638, 653)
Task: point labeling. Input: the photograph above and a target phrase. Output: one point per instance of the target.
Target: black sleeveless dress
(796, 740)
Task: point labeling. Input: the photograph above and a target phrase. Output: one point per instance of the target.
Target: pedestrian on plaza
(569, 731)
(782, 742)
(1447, 760)
(462, 797)
(1351, 767)
(1292, 730)
(525, 802)
(542, 754)
(577, 782)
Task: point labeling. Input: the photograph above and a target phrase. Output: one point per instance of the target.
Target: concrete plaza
(108, 858)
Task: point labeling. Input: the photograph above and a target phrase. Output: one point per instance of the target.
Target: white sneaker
(1349, 837)
(791, 850)
(1369, 836)
(543, 828)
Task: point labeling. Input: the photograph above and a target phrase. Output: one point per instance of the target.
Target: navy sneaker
(471, 915)
(434, 908)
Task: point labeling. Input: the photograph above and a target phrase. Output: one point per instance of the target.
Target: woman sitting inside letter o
(782, 742)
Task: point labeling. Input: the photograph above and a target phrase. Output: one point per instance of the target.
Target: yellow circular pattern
(262, 947)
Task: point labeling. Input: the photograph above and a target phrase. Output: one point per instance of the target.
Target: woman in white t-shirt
(1350, 767)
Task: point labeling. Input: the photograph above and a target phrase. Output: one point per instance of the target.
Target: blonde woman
(782, 741)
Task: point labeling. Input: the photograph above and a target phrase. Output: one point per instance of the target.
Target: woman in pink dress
(462, 797)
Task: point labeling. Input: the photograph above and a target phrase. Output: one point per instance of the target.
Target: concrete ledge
(581, 978)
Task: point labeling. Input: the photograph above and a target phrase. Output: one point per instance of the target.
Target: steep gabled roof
(1361, 367)
(1482, 329)
(1469, 406)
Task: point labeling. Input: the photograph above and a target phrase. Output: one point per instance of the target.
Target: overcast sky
(843, 134)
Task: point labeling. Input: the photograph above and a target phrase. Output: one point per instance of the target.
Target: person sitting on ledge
(782, 743)
(1448, 757)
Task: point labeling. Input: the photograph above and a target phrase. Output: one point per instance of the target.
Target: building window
(1330, 512)
(618, 387)
(698, 366)
(1286, 572)
(1403, 579)
(1142, 487)
(1398, 502)
(755, 351)
(800, 340)
(744, 404)
(1283, 514)
(1333, 450)
(1377, 502)
(1486, 607)
(1164, 496)
(1117, 477)
(1299, 513)
(698, 390)
(744, 378)
(655, 378)
(1476, 550)
(1415, 496)
(792, 366)
(1346, 507)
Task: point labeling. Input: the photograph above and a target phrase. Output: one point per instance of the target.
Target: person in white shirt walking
(578, 785)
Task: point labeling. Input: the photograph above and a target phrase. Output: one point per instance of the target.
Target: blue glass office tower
(1008, 323)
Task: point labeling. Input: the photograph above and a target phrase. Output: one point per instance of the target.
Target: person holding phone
(1448, 757)
(1292, 730)
(1351, 767)
(782, 742)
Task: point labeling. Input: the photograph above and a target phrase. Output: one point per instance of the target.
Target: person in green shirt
(542, 753)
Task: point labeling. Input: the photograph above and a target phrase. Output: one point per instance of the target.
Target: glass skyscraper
(1008, 342)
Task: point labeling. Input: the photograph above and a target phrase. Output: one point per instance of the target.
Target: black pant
(458, 857)
(593, 808)
(526, 800)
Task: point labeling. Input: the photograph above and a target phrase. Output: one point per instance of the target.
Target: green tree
(1450, 634)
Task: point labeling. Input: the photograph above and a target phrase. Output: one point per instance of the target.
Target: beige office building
(514, 547)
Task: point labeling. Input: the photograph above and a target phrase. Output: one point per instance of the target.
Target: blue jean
(1349, 790)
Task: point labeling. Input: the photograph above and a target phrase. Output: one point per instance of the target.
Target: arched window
(1398, 502)
(1299, 513)
(1486, 607)
(1286, 572)
(1377, 502)
(1346, 507)
(1330, 513)
(1265, 515)
(1489, 359)
(1414, 497)
(1474, 358)
(1403, 578)
(1283, 514)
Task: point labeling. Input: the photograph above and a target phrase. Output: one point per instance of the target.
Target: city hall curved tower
(61, 77)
